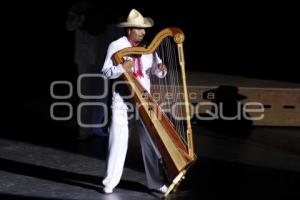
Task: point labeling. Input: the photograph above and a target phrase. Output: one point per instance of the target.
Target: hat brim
(148, 22)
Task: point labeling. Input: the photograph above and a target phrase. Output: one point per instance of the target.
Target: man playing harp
(142, 66)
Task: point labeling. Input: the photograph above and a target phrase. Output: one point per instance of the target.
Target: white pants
(118, 144)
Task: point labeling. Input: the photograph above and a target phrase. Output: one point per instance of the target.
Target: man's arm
(110, 70)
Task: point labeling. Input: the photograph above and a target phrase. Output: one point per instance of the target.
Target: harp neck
(176, 33)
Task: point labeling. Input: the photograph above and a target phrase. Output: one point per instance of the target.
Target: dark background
(250, 39)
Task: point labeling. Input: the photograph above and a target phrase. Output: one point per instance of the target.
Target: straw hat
(136, 19)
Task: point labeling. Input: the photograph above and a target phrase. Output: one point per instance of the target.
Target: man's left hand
(162, 67)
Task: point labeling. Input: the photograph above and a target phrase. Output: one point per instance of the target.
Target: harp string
(169, 89)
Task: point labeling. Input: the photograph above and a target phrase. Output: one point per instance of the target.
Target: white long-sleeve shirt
(149, 63)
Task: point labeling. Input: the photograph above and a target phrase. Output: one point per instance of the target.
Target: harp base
(175, 183)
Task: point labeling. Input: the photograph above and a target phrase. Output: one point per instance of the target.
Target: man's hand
(128, 65)
(162, 67)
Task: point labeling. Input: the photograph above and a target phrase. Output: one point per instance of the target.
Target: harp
(166, 112)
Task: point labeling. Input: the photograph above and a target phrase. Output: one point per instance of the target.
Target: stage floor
(47, 162)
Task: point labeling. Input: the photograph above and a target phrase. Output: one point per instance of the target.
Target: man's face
(136, 34)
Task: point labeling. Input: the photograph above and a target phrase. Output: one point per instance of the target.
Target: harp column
(179, 38)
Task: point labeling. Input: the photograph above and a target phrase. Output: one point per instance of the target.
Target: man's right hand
(128, 65)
